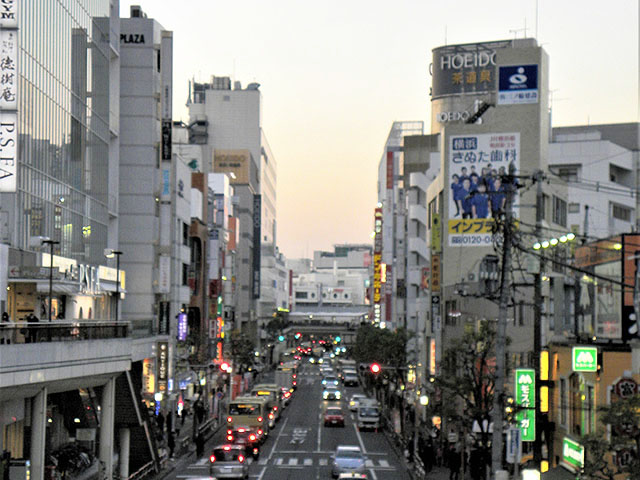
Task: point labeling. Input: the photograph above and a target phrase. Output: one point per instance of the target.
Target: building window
(301, 294)
(574, 208)
(563, 401)
(559, 211)
(569, 173)
(185, 274)
(621, 213)
(185, 234)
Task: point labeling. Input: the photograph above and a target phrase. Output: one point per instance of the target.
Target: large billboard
(465, 69)
(8, 97)
(257, 243)
(236, 163)
(477, 167)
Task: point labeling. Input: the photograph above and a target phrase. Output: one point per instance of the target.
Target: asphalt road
(300, 447)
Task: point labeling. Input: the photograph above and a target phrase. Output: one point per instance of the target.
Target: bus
(271, 392)
(249, 411)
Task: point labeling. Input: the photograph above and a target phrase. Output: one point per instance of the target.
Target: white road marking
(262, 473)
(308, 462)
(278, 461)
(323, 462)
(293, 461)
(368, 464)
(262, 462)
(275, 443)
(383, 463)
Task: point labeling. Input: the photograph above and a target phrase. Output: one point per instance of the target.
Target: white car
(354, 401)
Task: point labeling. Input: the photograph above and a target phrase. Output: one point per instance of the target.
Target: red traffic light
(375, 368)
(224, 366)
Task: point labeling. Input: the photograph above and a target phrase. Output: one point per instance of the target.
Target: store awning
(58, 287)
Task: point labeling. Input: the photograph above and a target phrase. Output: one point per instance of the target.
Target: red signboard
(390, 170)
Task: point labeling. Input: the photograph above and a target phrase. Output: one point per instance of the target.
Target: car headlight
(337, 394)
(325, 395)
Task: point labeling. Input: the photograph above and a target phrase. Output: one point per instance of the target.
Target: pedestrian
(454, 463)
(5, 328)
(32, 329)
(160, 420)
(199, 445)
(171, 444)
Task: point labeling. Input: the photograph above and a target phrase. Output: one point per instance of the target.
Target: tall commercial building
(227, 123)
(59, 212)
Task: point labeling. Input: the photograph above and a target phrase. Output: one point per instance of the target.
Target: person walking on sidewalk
(199, 445)
(171, 444)
(454, 463)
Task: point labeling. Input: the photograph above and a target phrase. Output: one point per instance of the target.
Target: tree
(277, 324)
(242, 350)
(467, 380)
(623, 416)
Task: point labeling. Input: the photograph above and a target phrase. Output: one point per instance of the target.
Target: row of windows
(335, 296)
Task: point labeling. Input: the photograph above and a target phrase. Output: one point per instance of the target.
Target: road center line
(275, 443)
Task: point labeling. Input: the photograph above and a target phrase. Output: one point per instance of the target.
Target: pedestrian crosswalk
(296, 462)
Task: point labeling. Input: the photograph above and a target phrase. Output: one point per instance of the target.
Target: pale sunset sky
(336, 74)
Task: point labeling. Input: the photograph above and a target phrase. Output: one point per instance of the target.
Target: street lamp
(51, 243)
(110, 253)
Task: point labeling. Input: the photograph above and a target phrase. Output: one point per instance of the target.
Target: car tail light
(252, 437)
(229, 419)
(242, 430)
(260, 432)
(275, 409)
(295, 376)
(212, 458)
(260, 419)
(287, 395)
(230, 438)
(271, 416)
(241, 458)
(226, 448)
(255, 451)
(229, 432)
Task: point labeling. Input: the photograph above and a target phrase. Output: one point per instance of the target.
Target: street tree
(607, 457)
(242, 349)
(467, 381)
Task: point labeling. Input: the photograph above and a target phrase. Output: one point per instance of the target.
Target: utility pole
(505, 295)
(537, 321)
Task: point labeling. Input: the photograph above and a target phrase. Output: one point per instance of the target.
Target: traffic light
(375, 368)
(281, 338)
(224, 366)
(298, 335)
(338, 339)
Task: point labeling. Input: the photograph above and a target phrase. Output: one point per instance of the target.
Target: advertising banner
(257, 236)
(163, 318)
(478, 165)
(631, 278)
(525, 401)
(584, 359)
(518, 84)
(9, 151)
(164, 274)
(163, 366)
(8, 69)
(572, 454)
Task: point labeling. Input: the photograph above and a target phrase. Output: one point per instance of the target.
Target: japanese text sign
(584, 359)
(525, 401)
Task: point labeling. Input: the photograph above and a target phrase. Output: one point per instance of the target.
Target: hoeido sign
(8, 94)
(584, 359)
(525, 400)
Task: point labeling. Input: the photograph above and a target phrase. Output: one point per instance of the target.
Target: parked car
(347, 459)
(228, 461)
(333, 416)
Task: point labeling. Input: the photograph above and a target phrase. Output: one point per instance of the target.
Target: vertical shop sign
(525, 401)
(163, 366)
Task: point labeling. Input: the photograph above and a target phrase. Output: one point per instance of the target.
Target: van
(368, 414)
(252, 412)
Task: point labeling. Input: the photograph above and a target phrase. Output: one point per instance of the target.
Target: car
(333, 416)
(331, 393)
(355, 400)
(330, 380)
(350, 380)
(246, 437)
(228, 461)
(285, 395)
(347, 459)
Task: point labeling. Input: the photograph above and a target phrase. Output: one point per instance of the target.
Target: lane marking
(293, 461)
(368, 463)
(308, 462)
(323, 462)
(278, 461)
(275, 443)
(262, 473)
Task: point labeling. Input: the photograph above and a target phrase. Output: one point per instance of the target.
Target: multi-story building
(227, 124)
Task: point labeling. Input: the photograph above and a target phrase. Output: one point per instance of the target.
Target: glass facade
(63, 115)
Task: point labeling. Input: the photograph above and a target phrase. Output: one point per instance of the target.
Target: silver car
(347, 459)
(228, 461)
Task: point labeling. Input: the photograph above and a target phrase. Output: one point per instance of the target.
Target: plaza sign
(584, 359)
(525, 389)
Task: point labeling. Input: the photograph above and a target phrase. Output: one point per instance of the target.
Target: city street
(301, 445)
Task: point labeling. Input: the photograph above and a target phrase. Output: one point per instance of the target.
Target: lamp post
(51, 243)
(110, 253)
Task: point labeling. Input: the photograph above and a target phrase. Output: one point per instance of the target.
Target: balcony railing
(34, 332)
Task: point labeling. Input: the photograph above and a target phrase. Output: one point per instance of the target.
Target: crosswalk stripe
(368, 464)
(278, 461)
(293, 461)
(383, 463)
(308, 462)
(324, 462)
(263, 461)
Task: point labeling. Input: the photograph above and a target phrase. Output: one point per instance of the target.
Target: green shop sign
(572, 454)
(525, 403)
(585, 359)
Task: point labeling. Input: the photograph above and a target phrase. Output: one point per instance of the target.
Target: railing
(34, 332)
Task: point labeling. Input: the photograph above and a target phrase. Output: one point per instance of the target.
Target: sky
(335, 75)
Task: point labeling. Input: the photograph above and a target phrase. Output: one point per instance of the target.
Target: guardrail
(34, 332)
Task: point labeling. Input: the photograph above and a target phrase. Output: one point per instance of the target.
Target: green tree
(624, 418)
(242, 350)
(467, 380)
(277, 324)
